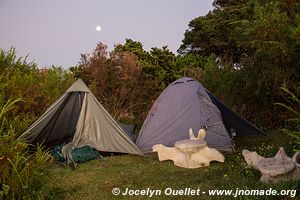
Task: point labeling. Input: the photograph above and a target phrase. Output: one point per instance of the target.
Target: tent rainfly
(186, 104)
(78, 119)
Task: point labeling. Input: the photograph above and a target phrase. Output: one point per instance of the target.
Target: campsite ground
(97, 178)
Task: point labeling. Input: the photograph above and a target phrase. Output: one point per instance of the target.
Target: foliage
(191, 65)
(25, 92)
(117, 80)
(293, 123)
(10, 62)
(158, 64)
(256, 44)
(219, 33)
(20, 171)
(162, 66)
(134, 47)
(38, 88)
(8, 106)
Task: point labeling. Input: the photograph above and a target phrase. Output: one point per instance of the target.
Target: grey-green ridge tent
(186, 104)
(78, 119)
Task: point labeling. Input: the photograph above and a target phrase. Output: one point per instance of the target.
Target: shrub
(22, 79)
(118, 83)
(20, 170)
(293, 123)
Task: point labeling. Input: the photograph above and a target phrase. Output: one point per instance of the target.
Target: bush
(38, 88)
(118, 83)
(20, 170)
(293, 123)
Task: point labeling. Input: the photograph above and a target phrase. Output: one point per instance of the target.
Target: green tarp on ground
(80, 155)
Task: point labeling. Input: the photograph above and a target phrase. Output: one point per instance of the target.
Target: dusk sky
(56, 32)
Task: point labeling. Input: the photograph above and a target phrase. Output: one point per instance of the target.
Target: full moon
(98, 28)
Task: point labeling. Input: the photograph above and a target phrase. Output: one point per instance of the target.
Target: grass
(97, 178)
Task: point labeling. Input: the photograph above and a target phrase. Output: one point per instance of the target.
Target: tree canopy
(260, 37)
